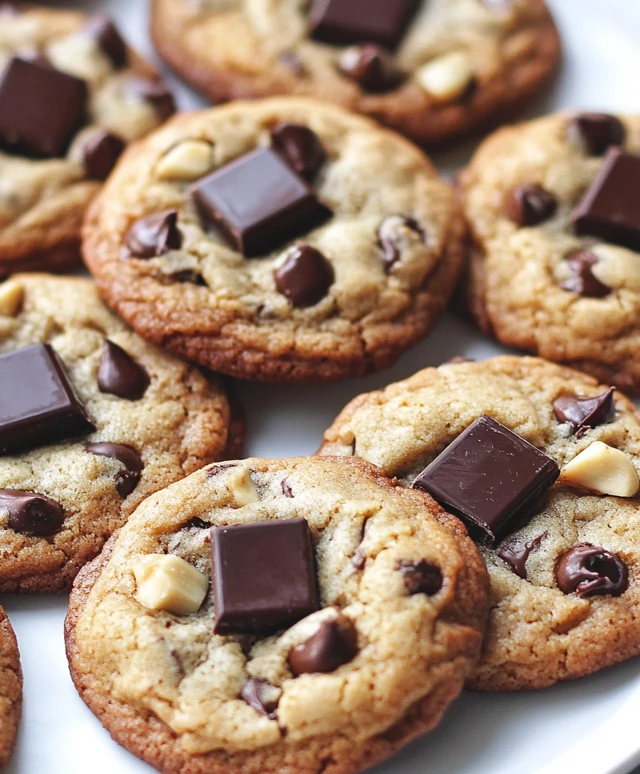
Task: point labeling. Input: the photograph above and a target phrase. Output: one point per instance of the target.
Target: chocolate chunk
(127, 479)
(190, 276)
(40, 109)
(197, 523)
(31, 514)
(38, 404)
(106, 35)
(286, 488)
(258, 202)
(154, 92)
(610, 209)
(490, 478)
(530, 204)
(372, 67)
(101, 152)
(598, 132)
(582, 279)
(334, 644)
(256, 693)
(305, 276)
(347, 22)
(300, 148)
(516, 554)
(119, 374)
(263, 576)
(590, 571)
(420, 577)
(390, 236)
(154, 235)
(585, 413)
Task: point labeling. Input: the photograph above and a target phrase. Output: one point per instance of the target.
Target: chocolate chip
(390, 236)
(598, 132)
(154, 235)
(584, 413)
(590, 571)
(286, 489)
(372, 67)
(39, 403)
(119, 374)
(299, 147)
(582, 280)
(334, 644)
(101, 152)
(256, 694)
(305, 276)
(516, 554)
(197, 523)
(420, 577)
(530, 204)
(31, 514)
(154, 92)
(106, 35)
(190, 276)
(127, 479)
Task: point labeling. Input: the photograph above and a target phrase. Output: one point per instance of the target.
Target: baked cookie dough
(431, 69)
(10, 688)
(71, 95)
(555, 222)
(491, 437)
(91, 422)
(348, 612)
(281, 240)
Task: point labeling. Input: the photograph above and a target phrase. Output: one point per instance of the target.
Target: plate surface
(590, 725)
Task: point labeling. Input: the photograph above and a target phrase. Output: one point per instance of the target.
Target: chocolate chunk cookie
(432, 69)
(92, 421)
(283, 240)
(10, 688)
(72, 94)
(541, 463)
(555, 267)
(277, 615)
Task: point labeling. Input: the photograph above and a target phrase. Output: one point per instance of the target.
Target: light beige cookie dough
(10, 688)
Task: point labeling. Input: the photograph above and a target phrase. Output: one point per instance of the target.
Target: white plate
(590, 725)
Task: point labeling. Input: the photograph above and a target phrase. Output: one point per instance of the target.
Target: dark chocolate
(101, 152)
(30, 513)
(108, 38)
(420, 577)
(119, 374)
(516, 554)
(154, 235)
(530, 204)
(254, 694)
(582, 279)
(300, 147)
(390, 237)
(126, 480)
(598, 132)
(584, 413)
(155, 92)
(334, 644)
(372, 67)
(589, 571)
(305, 276)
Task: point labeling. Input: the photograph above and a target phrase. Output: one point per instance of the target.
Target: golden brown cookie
(10, 688)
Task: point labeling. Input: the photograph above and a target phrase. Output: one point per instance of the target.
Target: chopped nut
(11, 296)
(187, 160)
(602, 469)
(167, 582)
(446, 77)
(243, 489)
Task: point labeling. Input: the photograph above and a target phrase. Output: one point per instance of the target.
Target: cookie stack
(475, 524)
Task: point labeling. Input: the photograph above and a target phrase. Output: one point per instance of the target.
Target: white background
(589, 726)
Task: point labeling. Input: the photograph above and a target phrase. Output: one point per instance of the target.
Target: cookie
(72, 94)
(556, 238)
(541, 463)
(433, 70)
(92, 421)
(343, 616)
(283, 240)
(10, 688)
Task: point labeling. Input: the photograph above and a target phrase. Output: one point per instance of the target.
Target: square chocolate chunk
(38, 404)
(610, 209)
(258, 203)
(490, 478)
(348, 22)
(40, 109)
(263, 576)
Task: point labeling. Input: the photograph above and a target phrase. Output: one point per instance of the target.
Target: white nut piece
(602, 469)
(242, 487)
(167, 582)
(188, 160)
(446, 77)
(11, 296)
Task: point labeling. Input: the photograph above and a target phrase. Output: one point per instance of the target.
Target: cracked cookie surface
(10, 688)
(156, 420)
(541, 630)
(185, 699)
(460, 64)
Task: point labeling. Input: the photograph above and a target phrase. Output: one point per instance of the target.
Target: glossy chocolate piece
(349, 22)
(334, 644)
(585, 413)
(371, 67)
(598, 132)
(263, 576)
(516, 554)
(300, 147)
(610, 209)
(582, 279)
(256, 694)
(258, 203)
(154, 235)
(30, 513)
(40, 109)
(100, 154)
(154, 92)
(119, 374)
(420, 577)
(126, 480)
(530, 204)
(490, 478)
(305, 276)
(286, 488)
(390, 237)
(38, 404)
(589, 571)
(108, 38)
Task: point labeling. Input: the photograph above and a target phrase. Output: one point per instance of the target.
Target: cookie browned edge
(428, 125)
(10, 687)
(150, 739)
